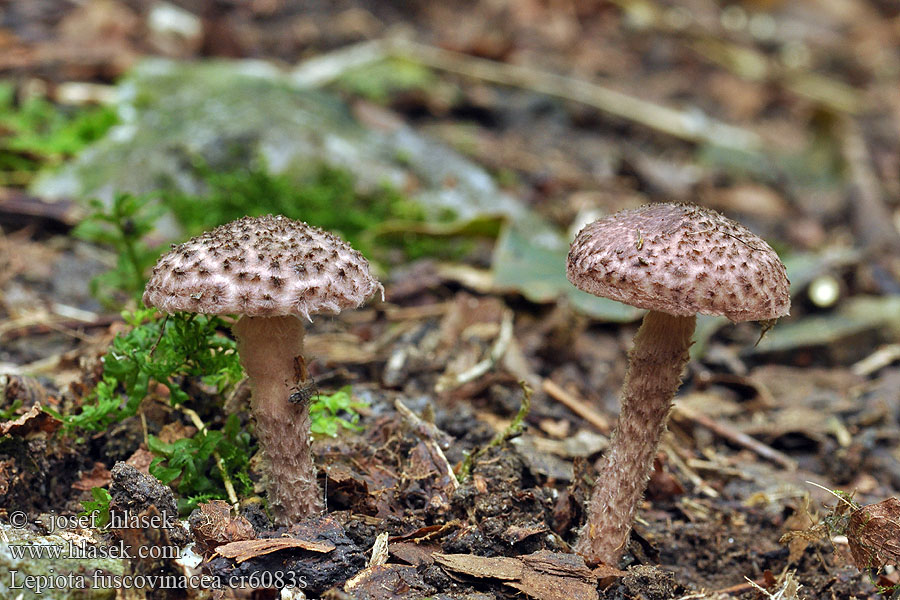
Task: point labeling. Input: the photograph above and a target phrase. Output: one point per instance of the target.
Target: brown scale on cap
(303, 270)
(675, 260)
(682, 260)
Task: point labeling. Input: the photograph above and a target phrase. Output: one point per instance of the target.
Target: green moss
(196, 473)
(123, 225)
(36, 133)
(157, 351)
(330, 413)
(327, 199)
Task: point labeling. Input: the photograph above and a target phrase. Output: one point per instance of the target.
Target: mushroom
(675, 260)
(269, 270)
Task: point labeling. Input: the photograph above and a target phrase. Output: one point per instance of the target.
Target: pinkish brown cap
(261, 267)
(680, 259)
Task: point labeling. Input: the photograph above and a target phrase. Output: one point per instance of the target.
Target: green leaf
(99, 504)
(192, 461)
(164, 473)
(157, 351)
(856, 315)
(159, 447)
(122, 225)
(538, 272)
(329, 413)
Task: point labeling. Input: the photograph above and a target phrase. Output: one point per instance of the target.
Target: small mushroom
(674, 260)
(287, 269)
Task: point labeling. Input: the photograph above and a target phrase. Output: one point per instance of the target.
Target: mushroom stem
(660, 352)
(267, 347)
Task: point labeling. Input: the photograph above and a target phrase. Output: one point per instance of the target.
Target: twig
(874, 226)
(427, 432)
(879, 359)
(741, 439)
(504, 337)
(414, 313)
(514, 429)
(576, 405)
(325, 68)
(691, 474)
(691, 125)
(423, 428)
(162, 332)
(739, 588)
(41, 321)
(734, 589)
(787, 591)
(226, 479)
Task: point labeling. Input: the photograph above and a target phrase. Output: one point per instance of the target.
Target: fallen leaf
(412, 553)
(247, 549)
(874, 534)
(35, 420)
(99, 476)
(141, 460)
(856, 315)
(539, 274)
(214, 526)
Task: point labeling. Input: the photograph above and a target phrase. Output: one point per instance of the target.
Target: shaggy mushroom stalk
(267, 347)
(656, 362)
(675, 260)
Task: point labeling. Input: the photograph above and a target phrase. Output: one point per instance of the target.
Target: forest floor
(783, 115)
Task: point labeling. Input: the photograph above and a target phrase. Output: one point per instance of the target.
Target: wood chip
(245, 550)
(543, 575)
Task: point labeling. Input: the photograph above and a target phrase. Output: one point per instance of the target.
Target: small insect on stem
(640, 240)
(304, 387)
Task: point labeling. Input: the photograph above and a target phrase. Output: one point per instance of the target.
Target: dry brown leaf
(606, 575)
(175, 430)
(141, 460)
(35, 420)
(98, 476)
(215, 526)
(802, 528)
(414, 554)
(247, 549)
(874, 534)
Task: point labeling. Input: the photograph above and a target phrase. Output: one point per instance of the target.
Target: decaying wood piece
(544, 575)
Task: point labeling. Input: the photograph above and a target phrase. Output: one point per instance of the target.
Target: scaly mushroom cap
(261, 267)
(682, 260)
